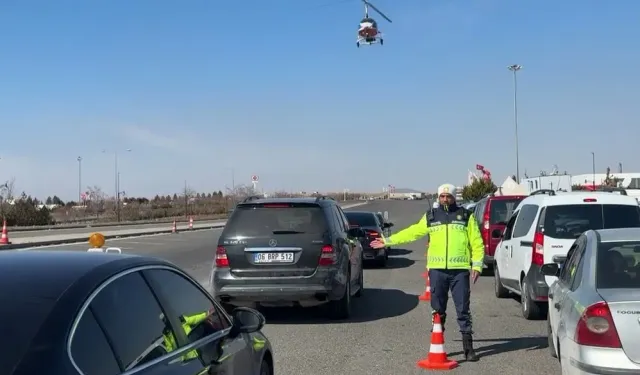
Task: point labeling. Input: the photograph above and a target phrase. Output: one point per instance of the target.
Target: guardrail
(61, 239)
(96, 224)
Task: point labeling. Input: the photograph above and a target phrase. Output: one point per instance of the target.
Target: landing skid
(362, 41)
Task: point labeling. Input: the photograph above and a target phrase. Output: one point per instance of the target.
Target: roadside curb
(84, 238)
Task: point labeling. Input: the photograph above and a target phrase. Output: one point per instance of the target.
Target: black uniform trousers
(443, 280)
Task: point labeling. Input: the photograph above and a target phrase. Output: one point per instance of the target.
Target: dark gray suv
(289, 252)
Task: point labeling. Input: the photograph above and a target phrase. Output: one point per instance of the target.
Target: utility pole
(117, 182)
(593, 168)
(79, 179)
(186, 201)
(515, 68)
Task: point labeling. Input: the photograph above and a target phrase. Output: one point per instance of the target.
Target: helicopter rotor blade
(377, 11)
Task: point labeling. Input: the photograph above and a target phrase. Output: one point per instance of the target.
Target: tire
(382, 261)
(531, 310)
(550, 340)
(361, 283)
(500, 290)
(341, 309)
(265, 369)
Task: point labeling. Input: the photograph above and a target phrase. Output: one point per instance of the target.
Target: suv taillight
(596, 327)
(537, 255)
(221, 257)
(486, 224)
(327, 256)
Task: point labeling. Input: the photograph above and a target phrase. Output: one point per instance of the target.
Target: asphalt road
(110, 228)
(389, 330)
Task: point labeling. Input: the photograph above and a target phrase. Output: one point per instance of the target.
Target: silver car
(594, 306)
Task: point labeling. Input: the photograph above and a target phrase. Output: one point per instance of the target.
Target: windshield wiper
(287, 232)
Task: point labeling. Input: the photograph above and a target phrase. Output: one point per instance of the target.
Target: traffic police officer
(455, 256)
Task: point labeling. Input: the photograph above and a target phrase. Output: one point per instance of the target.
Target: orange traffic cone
(437, 357)
(426, 296)
(190, 222)
(4, 240)
(174, 228)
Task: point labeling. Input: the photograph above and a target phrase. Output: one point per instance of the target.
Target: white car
(594, 306)
(546, 225)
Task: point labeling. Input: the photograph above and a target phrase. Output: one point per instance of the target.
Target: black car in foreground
(289, 251)
(373, 228)
(106, 314)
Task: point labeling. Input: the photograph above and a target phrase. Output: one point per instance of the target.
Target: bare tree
(7, 190)
(96, 199)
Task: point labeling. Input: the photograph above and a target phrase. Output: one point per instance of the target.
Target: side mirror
(390, 224)
(550, 269)
(355, 233)
(246, 320)
(496, 233)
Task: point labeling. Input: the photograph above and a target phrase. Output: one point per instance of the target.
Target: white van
(544, 226)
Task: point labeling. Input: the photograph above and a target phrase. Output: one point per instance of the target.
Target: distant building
(406, 194)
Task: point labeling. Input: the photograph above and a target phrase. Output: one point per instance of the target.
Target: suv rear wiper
(287, 232)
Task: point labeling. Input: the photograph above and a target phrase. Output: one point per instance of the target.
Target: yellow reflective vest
(455, 242)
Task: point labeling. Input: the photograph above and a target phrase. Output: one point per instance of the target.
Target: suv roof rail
(488, 195)
(251, 198)
(608, 189)
(544, 191)
(323, 197)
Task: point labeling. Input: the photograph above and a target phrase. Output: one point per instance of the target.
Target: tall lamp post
(515, 68)
(593, 168)
(79, 179)
(116, 181)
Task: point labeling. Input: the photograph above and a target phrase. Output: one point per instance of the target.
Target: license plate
(273, 258)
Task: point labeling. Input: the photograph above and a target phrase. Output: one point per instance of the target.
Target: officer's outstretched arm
(195, 319)
(409, 234)
(476, 244)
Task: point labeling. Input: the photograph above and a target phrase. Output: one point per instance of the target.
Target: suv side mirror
(387, 225)
(355, 233)
(246, 320)
(550, 269)
(496, 233)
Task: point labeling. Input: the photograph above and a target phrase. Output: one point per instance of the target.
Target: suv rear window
(361, 219)
(267, 219)
(501, 210)
(618, 265)
(571, 220)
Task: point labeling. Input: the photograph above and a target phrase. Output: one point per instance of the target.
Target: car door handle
(557, 305)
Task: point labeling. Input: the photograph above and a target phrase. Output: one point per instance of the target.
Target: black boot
(467, 345)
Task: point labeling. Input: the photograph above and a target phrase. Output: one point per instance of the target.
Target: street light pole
(117, 182)
(79, 179)
(593, 167)
(515, 68)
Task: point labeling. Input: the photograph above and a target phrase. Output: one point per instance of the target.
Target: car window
(337, 219)
(575, 272)
(193, 307)
(361, 219)
(570, 221)
(502, 209)
(265, 219)
(525, 219)
(509, 229)
(345, 221)
(131, 318)
(570, 263)
(90, 349)
(618, 265)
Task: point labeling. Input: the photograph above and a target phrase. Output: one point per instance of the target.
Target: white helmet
(447, 189)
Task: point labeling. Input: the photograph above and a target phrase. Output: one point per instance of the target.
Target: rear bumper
(589, 360)
(322, 286)
(538, 288)
(372, 254)
(488, 261)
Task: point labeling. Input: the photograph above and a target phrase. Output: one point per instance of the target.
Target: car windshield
(361, 219)
(256, 220)
(501, 210)
(618, 265)
(571, 220)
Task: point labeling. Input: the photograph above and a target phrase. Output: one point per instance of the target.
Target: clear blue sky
(278, 88)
